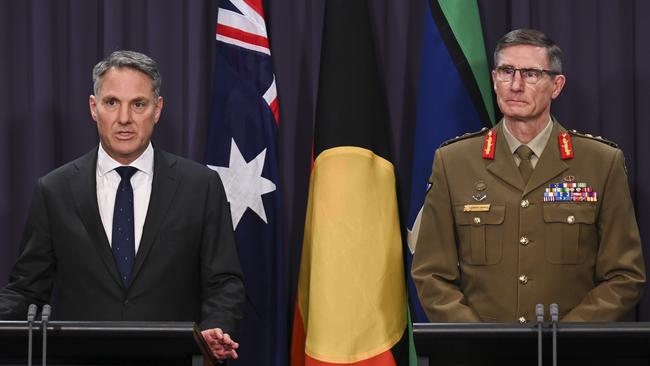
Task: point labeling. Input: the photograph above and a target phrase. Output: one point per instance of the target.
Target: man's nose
(517, 83)
(125, 114)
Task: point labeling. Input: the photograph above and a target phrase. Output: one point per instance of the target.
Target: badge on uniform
(570, 191)
(477, 208)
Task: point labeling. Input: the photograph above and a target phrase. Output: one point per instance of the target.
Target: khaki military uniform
(495, 264)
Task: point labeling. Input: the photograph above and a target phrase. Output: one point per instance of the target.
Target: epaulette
(595, 138)
(464, 136)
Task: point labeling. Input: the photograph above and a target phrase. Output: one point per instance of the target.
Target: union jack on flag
(242, 148)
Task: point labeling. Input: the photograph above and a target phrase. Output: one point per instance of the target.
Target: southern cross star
(244, 184)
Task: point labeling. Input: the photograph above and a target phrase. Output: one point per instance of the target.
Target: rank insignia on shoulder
(464, 136)
(570, 192)
(566, 147)
(595, 138)
(489, 144)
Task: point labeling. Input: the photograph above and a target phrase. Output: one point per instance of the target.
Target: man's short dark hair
(132, 60)
(531, 37)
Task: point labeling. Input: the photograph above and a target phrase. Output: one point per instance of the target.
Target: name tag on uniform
(477, 208)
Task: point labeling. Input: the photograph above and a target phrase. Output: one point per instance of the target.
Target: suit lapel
(165, 181)
(83, 190)
(550, 164)
(503, 165)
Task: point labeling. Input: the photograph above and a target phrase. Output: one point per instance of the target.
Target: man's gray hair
(132, 60)
(531, 37)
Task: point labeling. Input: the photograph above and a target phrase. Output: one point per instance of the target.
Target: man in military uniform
(528, 212)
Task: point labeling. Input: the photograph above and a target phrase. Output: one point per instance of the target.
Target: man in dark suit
(528, 212)
(128, 231)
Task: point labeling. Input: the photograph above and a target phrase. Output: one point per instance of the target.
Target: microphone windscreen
(45, 315)
(31, 312)
(555, 312)
(539, 311)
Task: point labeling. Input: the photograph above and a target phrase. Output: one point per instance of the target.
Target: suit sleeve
(435, 262)
(222, 285)
(30, 280)
(620, 270)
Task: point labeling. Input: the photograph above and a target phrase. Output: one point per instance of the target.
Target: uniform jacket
(496, 265)
(186, 268)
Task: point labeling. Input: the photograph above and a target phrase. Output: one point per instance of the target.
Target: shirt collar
(537, 144)
(143, 163)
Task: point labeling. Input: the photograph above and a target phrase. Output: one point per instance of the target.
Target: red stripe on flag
(240, 35)
(383, 359)
(276, 111)
(297, 339)
(256, 5)
(299, 358)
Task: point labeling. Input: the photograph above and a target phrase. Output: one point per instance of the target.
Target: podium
(516, 344)
(105, 343)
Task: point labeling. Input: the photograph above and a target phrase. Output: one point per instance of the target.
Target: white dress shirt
(107, 182)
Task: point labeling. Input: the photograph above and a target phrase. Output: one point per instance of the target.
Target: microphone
(45, 317)
(31, 314)
(555, 316)
(539, 311)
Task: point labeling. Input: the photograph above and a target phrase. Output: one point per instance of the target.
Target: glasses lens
(531, 76)
(505, 73)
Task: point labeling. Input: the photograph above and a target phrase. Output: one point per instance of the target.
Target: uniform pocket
(570, 233)
(480, 234)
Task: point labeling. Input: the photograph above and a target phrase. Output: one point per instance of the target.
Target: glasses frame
(523, 70)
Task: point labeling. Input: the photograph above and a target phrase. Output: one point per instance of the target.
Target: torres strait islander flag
(454, 97)
(351, 300)
(242, 148)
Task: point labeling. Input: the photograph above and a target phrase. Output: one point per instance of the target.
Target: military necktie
(123, 240)
(525, 166)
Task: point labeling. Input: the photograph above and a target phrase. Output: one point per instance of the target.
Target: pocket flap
(571, 213)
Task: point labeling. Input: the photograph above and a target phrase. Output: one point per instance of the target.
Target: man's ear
(92, 103)
(558, 85)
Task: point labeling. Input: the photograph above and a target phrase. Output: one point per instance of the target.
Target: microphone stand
(555, 315)
(539, 311)
(31, 314)
(45, 317)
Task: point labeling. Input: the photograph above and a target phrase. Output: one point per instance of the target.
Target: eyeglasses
(529, 75)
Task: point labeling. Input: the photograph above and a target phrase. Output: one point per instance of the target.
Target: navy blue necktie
(123, 244)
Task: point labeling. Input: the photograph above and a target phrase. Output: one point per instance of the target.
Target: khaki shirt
(496, 265)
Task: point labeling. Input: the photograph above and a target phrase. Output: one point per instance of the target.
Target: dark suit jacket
(186, 268)
(496, 265)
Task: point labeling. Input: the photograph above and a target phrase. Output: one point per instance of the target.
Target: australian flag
(242, 148)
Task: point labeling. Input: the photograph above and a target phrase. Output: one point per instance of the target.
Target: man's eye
(508, 70)
(139, 104)
(531, 73)
(111, 102)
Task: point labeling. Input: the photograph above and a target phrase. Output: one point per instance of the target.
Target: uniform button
(126, 302)
(525, 203)
(523, 279)
(523, 320)
(477, 220)
(524, 241)
(571, 219)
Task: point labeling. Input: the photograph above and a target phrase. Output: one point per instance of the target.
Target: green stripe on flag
(463, 18)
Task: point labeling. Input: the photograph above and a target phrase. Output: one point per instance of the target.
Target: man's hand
(220, 343)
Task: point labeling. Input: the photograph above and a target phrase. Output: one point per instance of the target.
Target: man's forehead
(126, 82)
(524, 56)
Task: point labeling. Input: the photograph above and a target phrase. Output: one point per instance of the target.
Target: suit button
(126, 302)
(523, 320)
(523, 279)
(571, 219)
(524, 241)
(525, 203)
